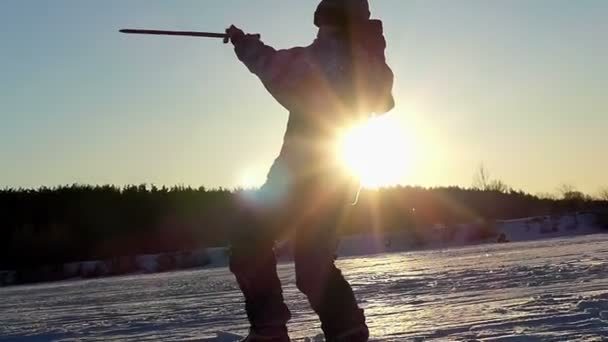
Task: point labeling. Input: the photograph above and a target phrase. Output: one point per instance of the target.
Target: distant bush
(603, 194)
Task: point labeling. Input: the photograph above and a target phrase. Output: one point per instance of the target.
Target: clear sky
(519, 85)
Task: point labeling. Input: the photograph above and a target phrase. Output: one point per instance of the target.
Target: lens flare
(376, 151)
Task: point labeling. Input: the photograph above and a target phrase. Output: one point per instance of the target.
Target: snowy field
(554, 290)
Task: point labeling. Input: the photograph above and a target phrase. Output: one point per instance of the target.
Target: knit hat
(341, 12)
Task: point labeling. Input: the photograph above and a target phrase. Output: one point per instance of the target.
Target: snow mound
(544, 227)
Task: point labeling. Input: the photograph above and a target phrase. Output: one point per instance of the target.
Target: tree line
(82, 222)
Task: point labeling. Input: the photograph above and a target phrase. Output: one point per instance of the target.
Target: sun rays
(376, 151)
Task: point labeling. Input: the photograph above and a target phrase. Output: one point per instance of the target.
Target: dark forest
(79, 222)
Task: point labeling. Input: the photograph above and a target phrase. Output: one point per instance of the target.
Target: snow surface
(550, 290)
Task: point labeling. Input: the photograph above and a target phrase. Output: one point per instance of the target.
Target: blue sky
(518, 85)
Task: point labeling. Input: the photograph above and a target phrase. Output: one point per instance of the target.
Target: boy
(340, 78)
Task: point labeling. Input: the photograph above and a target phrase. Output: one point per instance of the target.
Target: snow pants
(308, 212)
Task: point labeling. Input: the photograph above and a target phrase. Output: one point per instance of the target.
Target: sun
(376, 151)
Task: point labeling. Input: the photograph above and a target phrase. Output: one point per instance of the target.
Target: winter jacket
(326, 86)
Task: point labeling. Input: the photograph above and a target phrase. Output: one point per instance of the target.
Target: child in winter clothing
(338, 79)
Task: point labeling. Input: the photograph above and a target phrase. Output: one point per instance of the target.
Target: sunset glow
(376, 151)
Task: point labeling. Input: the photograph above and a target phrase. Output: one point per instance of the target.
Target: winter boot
(270, 334)
(360, 334)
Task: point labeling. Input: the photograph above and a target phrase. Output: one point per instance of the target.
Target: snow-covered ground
(552, 290)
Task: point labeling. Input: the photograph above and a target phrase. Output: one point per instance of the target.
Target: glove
(235, 34)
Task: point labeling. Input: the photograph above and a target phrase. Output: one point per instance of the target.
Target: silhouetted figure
(338, 79)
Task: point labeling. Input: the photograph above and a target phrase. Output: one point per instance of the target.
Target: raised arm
(281, 71)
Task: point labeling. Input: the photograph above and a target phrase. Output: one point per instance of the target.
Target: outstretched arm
(281, 71)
